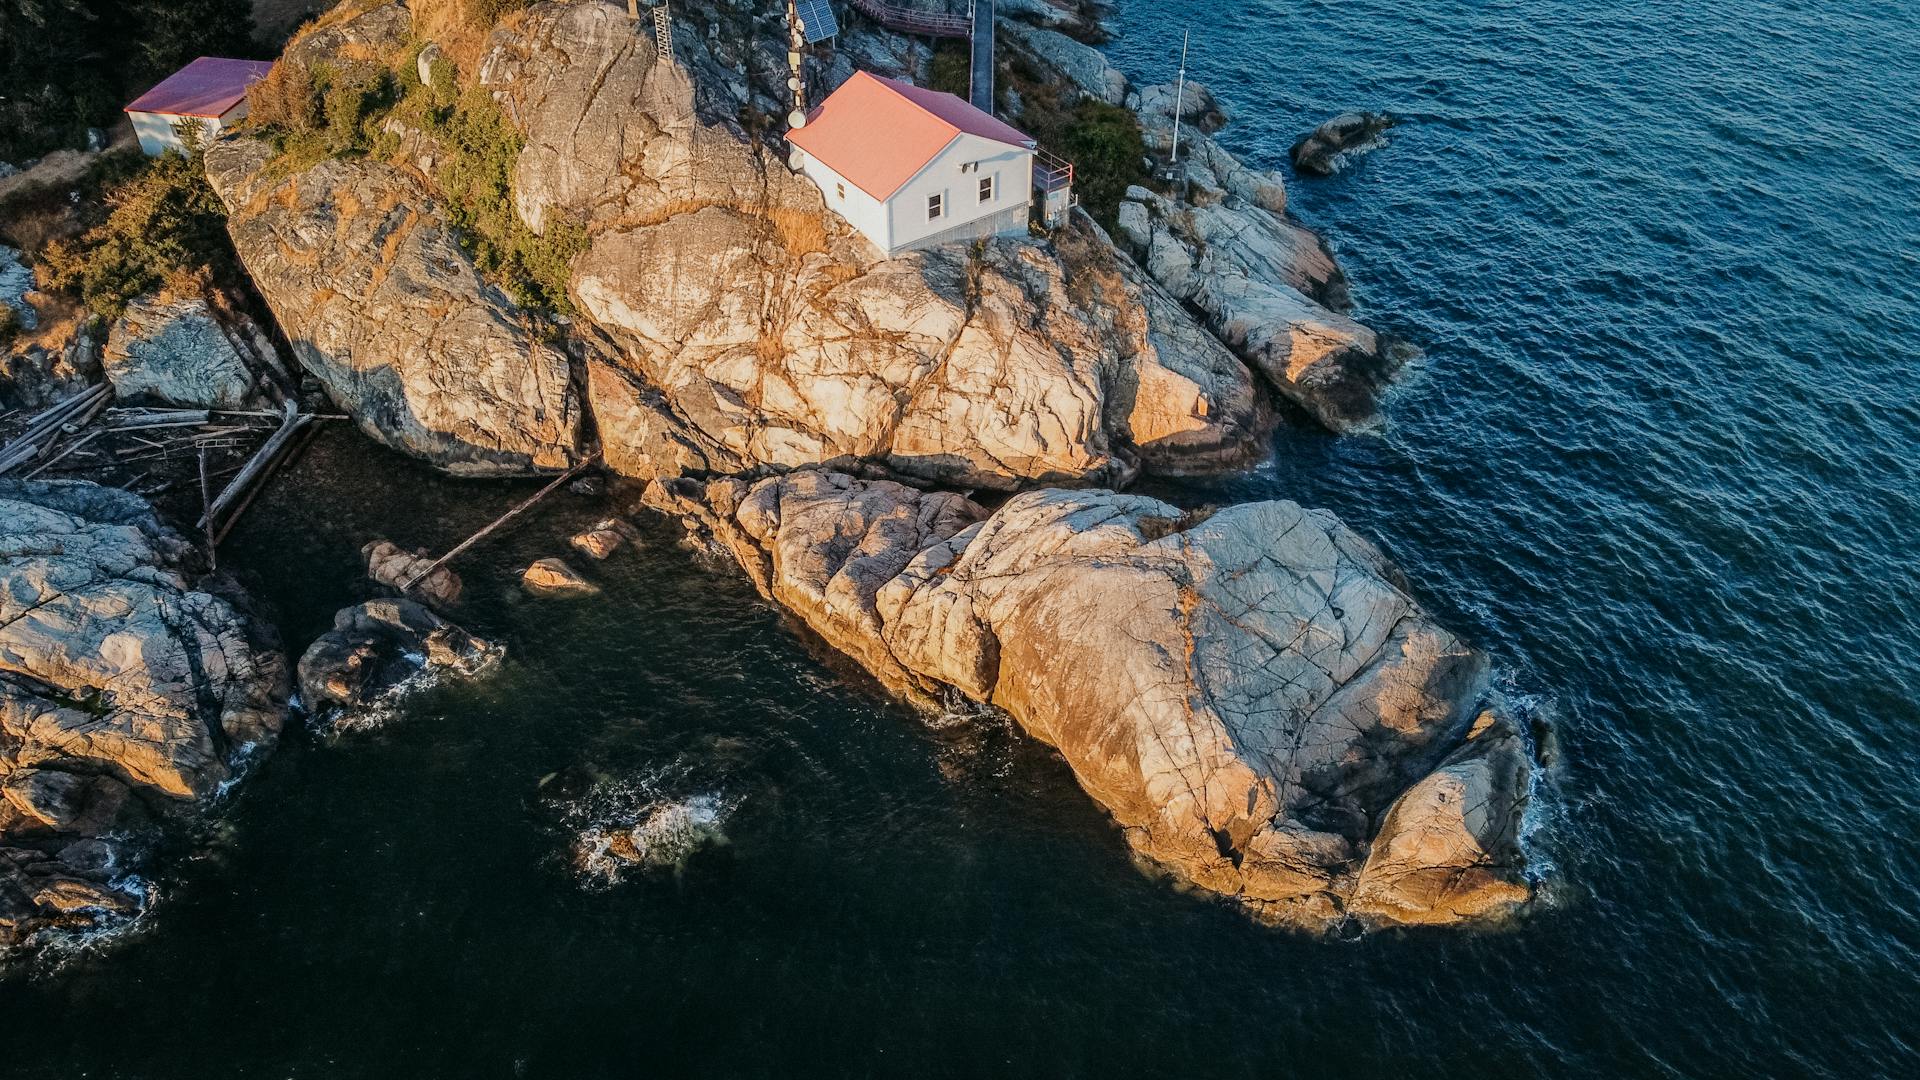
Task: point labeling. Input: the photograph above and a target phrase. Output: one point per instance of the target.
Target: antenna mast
(796, 82)
(1180, 94)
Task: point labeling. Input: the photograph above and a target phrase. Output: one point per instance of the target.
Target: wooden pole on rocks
(461, 548)
(257, 468)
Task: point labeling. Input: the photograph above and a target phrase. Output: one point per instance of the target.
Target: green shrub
(486, 14)
(476, 178)
(1108, 154)
(164, 221)
(9, 325)
(951, 68)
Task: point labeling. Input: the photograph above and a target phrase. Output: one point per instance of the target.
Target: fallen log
(461, 548)
(259, 466)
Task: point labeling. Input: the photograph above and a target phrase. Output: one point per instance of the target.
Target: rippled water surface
(1661, 461)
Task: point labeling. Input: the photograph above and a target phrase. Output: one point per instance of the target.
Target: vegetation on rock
(1103, 141)
(163, 224)
(325, 111)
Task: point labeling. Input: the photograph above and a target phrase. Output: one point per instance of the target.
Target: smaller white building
(211, 91)
(910, 167)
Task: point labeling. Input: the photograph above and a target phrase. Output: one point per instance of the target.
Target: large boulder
(376, 651)
(173, 350)
(1247, 692)
(383, 307)
(126, 691)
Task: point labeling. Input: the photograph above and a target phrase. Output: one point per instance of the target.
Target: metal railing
(914, 21)
(1051, 172)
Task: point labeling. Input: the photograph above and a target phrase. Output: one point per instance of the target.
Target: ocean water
(1660, 461)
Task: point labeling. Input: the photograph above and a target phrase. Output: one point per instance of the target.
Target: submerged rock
(395, 567)
(379, 647)
(127, 691)
(1318, 153)
(1247, 692)
(605, 538)
(553, 577)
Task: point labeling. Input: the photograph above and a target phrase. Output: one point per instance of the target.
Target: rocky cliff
(126, 693)
(1250, 693)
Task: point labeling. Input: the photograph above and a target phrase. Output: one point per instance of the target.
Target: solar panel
(816, 19)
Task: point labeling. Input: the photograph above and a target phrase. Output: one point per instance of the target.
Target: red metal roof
(879, 132)
(209, 87)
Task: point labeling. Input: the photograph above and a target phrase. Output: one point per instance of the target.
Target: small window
(936, 207)
(839, 191)
(986, 189)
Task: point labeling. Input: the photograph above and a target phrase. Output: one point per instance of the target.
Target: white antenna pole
(1180, 94)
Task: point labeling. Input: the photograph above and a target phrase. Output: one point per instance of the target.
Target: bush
(164, 221)
(286, 100)
(1108, 154)
(9, 325)
(951, 68)
(477, 180)
(485, 14)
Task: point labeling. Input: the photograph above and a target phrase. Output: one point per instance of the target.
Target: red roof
(879, 132)
(210, 86)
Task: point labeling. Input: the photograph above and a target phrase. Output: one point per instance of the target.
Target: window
(839, 191)
(936, 207)
(986, 189)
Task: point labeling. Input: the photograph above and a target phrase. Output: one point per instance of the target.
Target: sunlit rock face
(1251, 694)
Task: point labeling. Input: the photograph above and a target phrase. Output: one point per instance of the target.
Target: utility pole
(1180, 94)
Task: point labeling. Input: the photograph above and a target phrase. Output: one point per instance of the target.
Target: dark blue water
(1661, 461)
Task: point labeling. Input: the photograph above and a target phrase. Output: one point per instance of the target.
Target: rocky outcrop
(1449, 848)
(378, 648)
(126, 692)
(1318, 154)
(1084, 69)
(737, 308)
(1247, 692)
(1255, 276)
(370, 285)
(16, 281)
(173, 350)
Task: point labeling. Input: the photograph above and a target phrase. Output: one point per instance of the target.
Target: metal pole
(1180, 95)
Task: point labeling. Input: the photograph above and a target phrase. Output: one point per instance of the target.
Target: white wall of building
(901, 222)
(157, 134)
(861, 210)
(1010, 167)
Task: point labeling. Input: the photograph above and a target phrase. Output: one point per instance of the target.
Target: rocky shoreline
(921, 457)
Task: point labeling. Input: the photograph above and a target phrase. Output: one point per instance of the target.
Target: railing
(914, 21)
(1051, 172)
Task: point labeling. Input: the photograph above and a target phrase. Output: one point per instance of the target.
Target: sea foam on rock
(1247, 692)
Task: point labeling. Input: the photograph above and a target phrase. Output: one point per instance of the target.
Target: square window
(936, 206)
(986, 189)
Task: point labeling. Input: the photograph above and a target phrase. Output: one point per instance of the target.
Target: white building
(910, 167)
(211, 91)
